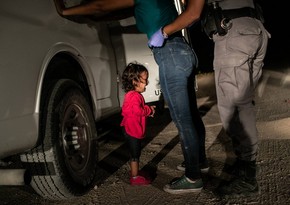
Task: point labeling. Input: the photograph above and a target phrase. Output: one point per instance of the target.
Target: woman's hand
(157, 39)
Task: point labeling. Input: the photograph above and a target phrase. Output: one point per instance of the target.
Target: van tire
(64, 165)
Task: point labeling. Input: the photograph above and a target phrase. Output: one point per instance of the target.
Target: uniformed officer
(240, 41)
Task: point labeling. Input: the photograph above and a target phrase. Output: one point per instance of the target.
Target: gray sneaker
(204, 168)
(182, 185)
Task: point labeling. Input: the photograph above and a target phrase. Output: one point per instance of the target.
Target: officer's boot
(233, 169)
(244, 182)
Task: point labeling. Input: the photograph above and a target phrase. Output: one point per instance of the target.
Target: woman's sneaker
(204, 168)
(139, 181)
(183, 185)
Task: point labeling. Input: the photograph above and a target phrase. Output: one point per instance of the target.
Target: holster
(211, 19)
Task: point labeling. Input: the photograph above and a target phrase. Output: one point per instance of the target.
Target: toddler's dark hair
(132, 73)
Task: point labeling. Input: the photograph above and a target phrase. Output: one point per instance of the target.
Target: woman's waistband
(176, 34)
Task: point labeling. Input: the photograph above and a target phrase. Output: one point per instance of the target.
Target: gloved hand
(157, 39)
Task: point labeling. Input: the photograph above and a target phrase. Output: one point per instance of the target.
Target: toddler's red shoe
(139, 181)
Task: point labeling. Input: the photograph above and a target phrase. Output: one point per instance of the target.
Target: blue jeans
(176, 61)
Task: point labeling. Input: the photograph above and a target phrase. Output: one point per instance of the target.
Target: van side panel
(27, 36)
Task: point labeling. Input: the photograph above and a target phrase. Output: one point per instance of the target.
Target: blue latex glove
(157, 39)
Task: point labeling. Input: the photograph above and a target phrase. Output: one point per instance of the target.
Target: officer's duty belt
(240, 12)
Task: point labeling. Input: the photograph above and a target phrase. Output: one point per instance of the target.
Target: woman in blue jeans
(176, 60)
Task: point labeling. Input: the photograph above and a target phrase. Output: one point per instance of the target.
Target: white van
(58, 78)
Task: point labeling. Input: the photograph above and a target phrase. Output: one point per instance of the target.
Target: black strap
(176, 34)
(241, 12)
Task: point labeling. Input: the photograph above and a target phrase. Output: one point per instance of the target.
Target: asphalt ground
(161, 154)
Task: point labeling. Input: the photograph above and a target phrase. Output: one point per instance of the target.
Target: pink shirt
(134, 113)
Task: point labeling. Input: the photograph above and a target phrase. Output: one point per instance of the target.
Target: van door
(131, 46)
(100, 59)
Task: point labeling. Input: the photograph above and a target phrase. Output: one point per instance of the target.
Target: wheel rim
(76, 140)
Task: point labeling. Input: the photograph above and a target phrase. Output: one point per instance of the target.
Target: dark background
(276, 22)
